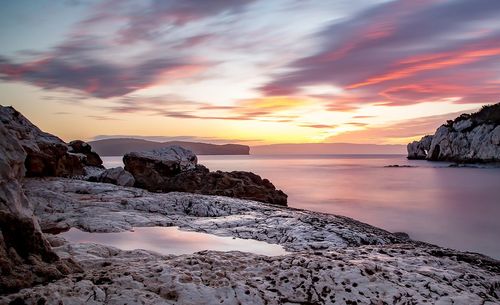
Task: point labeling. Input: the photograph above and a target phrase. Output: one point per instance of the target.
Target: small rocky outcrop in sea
(175, 169)
(26, 258)
(467, 139)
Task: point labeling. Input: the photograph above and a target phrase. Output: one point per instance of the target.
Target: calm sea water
(451, 207)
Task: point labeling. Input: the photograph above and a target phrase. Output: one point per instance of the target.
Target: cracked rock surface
(382, 274)
(100, 207)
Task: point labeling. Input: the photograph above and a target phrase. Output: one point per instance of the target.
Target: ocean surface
(451, 207)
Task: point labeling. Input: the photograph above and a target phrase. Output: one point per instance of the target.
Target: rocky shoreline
(333, 259)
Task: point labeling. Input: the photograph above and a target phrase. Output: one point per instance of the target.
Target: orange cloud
(429, 62)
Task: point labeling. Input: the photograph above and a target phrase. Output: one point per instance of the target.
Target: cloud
(96, 78)
(319, 126)
(102, 118)
(144, 22)
(264, 110)
(95, 57)
(404, 52)
(399, 132)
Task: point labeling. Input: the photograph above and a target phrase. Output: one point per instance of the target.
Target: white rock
(184, 157)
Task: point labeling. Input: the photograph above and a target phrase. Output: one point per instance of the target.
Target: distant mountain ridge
(121, 146)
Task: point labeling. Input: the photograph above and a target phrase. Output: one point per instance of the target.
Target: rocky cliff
(26, 257)
(467, 139)
(46, 154)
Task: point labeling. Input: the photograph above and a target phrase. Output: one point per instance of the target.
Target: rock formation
(116, 175)
(151, 168)
(26, 257)
(88, 157)
(417, 150)
(47, 155)
(175, 169)
(467, 139)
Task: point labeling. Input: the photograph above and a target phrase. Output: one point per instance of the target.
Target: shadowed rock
(175, 169)
(47, 155)
(116, 175)
(25, 256)
(417, 150)
(88, 156)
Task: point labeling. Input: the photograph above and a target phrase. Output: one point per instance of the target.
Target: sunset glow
(249, 71)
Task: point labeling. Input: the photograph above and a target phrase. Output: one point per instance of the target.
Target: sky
(249, 71)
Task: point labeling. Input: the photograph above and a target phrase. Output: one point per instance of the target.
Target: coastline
(333, 258)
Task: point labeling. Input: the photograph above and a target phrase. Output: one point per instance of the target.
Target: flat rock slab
(100, 207)
(385, 274)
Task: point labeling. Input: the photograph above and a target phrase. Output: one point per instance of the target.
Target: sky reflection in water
(451, 207)
(171, 240)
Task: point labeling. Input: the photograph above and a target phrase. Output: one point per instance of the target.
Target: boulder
(47, 155)
(116, 175)
(26, 258)
(151, 168)
(417, 150)
(175, 169)
(88, 156)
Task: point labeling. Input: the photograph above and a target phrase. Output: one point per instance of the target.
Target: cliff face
(25, 256)
(417, 150)
(469, 138)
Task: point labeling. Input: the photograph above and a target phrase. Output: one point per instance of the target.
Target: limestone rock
(62, 203)
(175, 169)
(150, 168)
(47, 155)
(470, 138)
(90, 157)
(417, 150)
(387, 274)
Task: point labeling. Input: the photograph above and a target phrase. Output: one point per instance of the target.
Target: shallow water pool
(171, 240)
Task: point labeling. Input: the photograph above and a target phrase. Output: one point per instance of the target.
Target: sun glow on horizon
(346, 72)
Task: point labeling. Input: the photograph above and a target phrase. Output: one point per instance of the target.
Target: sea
(455, 207)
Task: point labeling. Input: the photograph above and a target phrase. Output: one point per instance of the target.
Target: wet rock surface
(98, 207)
(175, 169)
